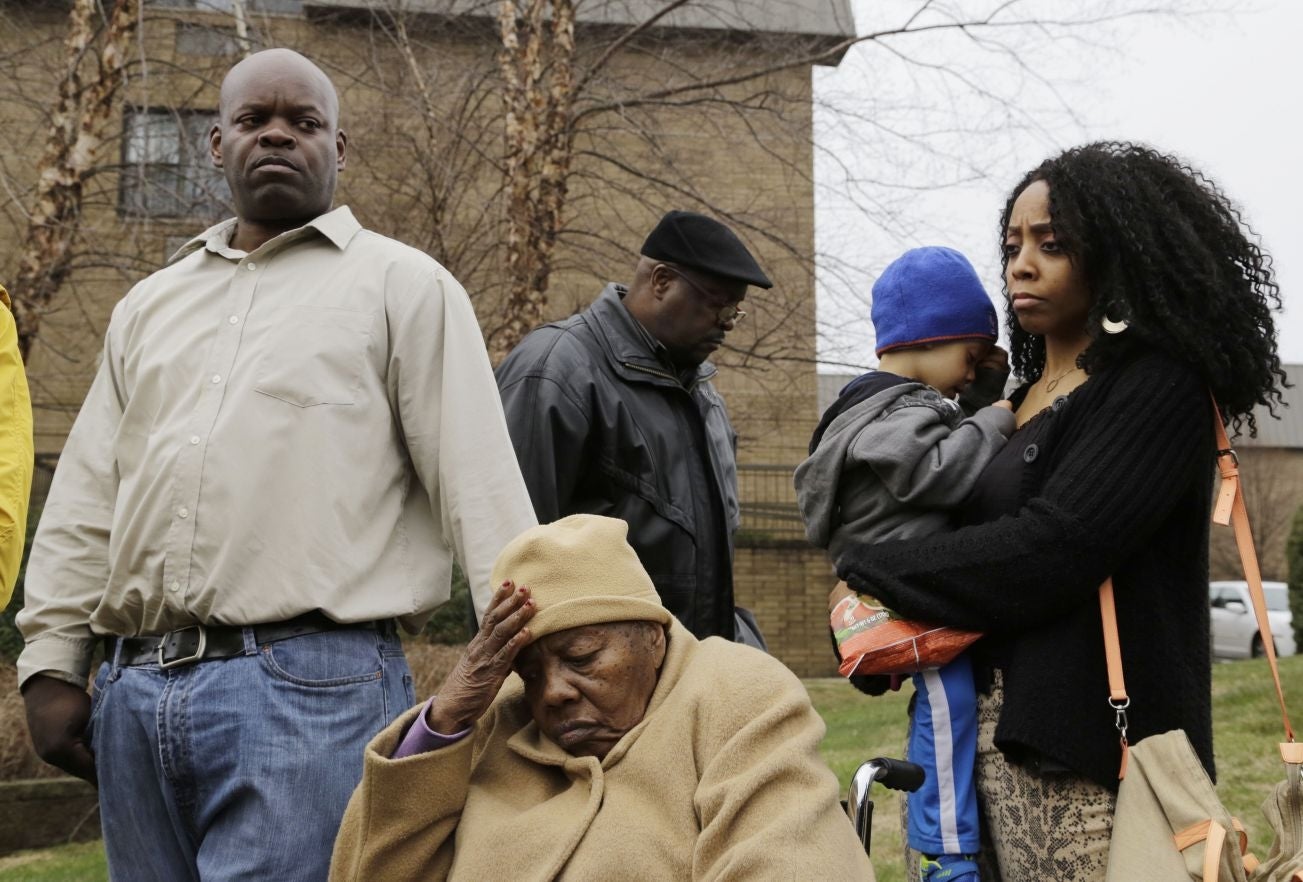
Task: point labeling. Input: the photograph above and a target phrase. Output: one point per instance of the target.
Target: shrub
(454, 622)
(1294, 564)
(11, 642)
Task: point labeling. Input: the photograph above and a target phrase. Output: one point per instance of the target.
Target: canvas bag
(1169, 825)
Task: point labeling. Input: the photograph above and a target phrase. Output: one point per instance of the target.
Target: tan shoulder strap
(1212, 852)
(1117, 687)
(1238, 516)
(1228, 509)
(1214, 834)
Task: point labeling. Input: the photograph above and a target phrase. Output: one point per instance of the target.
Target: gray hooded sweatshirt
(894, 466)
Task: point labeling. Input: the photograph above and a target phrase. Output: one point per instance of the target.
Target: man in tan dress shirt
(293, 433)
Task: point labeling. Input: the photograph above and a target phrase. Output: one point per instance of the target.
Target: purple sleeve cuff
(420, 738)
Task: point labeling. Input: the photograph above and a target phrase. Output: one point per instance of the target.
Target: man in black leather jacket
(612, 412)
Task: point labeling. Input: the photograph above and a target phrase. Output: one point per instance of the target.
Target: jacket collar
(630, 347)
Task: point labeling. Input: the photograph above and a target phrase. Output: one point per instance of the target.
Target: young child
(890, 460)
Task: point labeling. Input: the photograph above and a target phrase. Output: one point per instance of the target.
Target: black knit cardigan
(1122, 485)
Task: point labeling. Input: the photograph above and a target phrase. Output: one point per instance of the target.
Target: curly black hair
(1161, 247)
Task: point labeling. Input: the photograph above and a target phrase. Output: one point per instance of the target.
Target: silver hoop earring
(1112, 327)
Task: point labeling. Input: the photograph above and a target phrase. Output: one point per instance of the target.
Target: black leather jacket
(601, 425)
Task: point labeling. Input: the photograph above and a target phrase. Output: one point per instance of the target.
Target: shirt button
(1030, 452)
(252, 266)
(235, 319)
(175, 586)
(217, 378)
(183, 512)
(194, 439)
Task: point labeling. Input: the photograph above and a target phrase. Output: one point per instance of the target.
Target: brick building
(412, 97)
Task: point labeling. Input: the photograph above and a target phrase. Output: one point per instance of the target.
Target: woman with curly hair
(1136, 296)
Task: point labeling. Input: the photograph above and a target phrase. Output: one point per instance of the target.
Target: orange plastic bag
(874, 640)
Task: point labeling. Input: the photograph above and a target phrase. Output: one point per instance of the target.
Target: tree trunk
(76, 137)
(537, 62)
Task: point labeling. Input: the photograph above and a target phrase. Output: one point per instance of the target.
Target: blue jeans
(240, 768)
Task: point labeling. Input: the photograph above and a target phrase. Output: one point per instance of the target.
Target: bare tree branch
(72, 147)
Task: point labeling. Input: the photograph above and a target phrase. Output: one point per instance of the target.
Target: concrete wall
(46, 812)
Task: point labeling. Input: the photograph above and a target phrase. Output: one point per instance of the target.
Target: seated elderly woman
(623, 748)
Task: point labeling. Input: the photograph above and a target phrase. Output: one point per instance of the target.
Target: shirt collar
(338, 226)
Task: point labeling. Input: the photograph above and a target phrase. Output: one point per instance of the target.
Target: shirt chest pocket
(315, 356)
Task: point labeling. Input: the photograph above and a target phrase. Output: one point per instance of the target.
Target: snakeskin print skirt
(1036, 826)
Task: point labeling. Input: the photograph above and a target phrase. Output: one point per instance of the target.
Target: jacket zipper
(662, 374)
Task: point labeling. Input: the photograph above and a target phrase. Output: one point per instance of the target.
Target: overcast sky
(912, 155)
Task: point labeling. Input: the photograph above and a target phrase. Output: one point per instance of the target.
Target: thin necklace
(1052, 383)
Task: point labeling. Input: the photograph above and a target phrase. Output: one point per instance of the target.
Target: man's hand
(990, 375)
(57, 714)
(472, 685)
(996, 362)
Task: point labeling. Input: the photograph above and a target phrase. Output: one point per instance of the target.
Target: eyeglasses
(724, 314)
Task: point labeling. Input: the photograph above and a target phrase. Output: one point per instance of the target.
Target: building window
(286, 6)
(198, 39)
(166, 171)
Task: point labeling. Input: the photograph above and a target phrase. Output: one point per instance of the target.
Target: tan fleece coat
(722, 779)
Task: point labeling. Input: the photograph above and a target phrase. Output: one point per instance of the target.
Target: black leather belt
(196, 643)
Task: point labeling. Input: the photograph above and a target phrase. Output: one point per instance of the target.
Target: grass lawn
(1246, 730)
(82, 862)
(1245, 717)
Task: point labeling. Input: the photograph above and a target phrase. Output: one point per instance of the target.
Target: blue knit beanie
(930, 295)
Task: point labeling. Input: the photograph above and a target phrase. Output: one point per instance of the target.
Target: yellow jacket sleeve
(16, 457)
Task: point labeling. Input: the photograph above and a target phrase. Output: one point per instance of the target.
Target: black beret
(702, 243)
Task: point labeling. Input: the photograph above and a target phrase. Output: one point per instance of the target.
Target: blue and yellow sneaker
(948, 868)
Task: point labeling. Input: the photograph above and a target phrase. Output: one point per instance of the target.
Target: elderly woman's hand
(470, 688)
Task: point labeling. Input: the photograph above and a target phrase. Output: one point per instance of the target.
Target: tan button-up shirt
(310, 426)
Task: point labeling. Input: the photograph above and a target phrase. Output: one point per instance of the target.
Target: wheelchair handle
(892, 773)
(897, 774)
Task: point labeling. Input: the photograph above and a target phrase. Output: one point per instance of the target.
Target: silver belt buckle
(185, 660)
